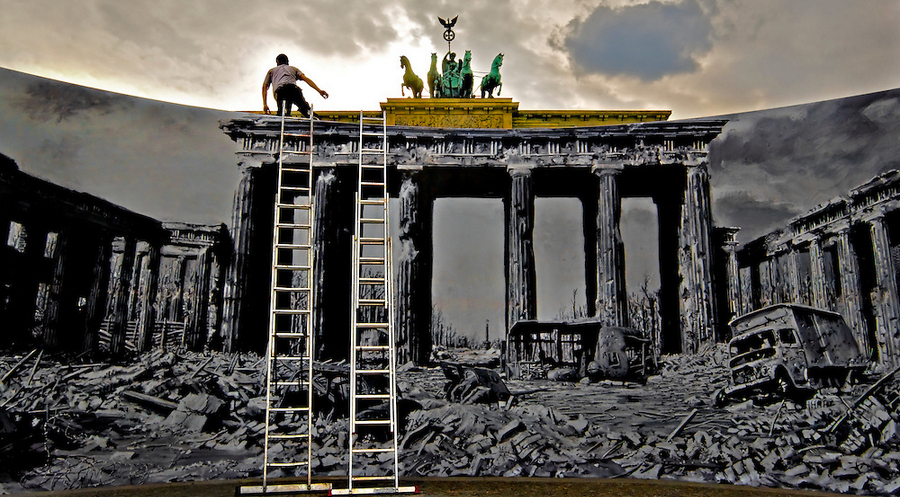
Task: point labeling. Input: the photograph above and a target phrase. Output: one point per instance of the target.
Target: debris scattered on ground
(181, 416)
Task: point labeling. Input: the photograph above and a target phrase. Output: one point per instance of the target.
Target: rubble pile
(181, 416)
(166, 416)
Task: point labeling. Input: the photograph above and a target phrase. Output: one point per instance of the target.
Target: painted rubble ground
(182, 416)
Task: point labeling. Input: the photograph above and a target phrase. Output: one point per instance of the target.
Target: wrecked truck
(786, 349)
(569, 350)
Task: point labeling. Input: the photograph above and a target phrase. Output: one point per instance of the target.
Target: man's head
(281, 59)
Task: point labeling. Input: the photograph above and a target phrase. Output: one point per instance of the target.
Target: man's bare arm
(310, 82)
(265, 95)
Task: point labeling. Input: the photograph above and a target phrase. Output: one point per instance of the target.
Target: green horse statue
(410, 80)
(467, 76)
(434, 78)
(491, 80)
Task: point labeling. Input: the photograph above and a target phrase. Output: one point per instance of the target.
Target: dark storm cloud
(779, 163)
(46, 100)
(754, 215)
(647, 41)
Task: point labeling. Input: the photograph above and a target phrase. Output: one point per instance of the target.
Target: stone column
(885, 295)
(732, 272)
(695, 262)
(98, 293)
(57, 289)
(851, 293)
(817, 274)
(791, 280)
(246, 294)
(147, 284)
(414, 270)
(521, 280)
(195, 330)
(612, 300)
(118, 325)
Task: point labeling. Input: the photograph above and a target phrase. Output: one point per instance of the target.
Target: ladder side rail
(270, 359)
(310, 328)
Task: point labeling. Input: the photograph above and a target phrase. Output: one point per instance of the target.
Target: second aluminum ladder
(373, 465)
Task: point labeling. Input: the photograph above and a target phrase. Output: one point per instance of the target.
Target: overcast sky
(696, 58)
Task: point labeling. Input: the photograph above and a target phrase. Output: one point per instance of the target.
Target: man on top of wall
(283, 79)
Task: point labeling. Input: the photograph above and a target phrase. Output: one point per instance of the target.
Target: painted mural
(763, 350)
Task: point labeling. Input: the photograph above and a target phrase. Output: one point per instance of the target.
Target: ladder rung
(371, 348)
(283, 205)
(370, 451)
(288, 409)
(369, 302)
(292, 266)
(287, 464)
(291, 358)
(379, 201)
(290, 335)
(305, 135)
(373, 371)
(291, 383)
(296, 152)
(372, 241)
(289, 436)
(291, 311)
(295, 188)
(373, 396)
(370, 183)
(373, 422)
(292, 289)
(371, 260)
(293, 245)
(373, 220)
(371, 281)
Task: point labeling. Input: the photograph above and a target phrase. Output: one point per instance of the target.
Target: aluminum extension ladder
(288, 427)
(373, 461)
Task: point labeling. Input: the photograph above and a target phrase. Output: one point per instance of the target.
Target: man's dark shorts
(292, 94)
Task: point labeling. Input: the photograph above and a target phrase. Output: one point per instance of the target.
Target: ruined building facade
(599, 165)
(843, 256)
(80, 274)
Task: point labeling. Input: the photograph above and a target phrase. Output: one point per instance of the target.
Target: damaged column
(415, 269)
(521, 280)
(851, 294)
(885, 294)
(695, 261)
(612, 301)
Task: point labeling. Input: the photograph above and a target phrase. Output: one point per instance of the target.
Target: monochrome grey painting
(667, 250)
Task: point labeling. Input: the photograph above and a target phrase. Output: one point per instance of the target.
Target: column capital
(696, 165)
(519, 169)
(600, 167)
(873, 214)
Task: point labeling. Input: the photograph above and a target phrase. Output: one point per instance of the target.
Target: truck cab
(786, 348)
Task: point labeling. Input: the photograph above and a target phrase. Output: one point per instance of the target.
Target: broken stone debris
(180, 416)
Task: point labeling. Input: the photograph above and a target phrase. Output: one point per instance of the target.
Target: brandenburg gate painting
(487, 148)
